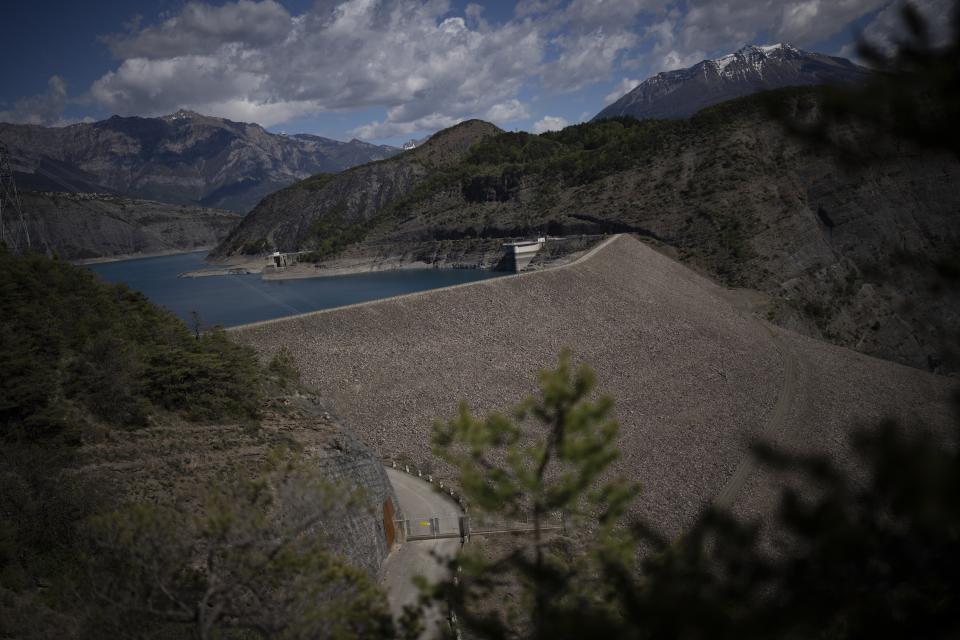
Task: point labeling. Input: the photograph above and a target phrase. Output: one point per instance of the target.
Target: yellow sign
(424, 523)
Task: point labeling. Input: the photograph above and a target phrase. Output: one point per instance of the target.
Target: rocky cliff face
(681, 93)
(335, 209)
(88, 225)
(183, 158)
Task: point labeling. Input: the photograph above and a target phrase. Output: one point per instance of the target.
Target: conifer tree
(543, 464)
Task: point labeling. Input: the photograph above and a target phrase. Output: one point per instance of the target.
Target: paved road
(418, 502)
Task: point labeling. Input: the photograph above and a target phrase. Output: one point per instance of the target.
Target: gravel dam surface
(694, 376)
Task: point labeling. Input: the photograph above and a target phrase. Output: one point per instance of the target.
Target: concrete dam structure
(519, 255)
(695, 376)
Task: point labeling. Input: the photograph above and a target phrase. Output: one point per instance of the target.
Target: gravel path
(773, 429)
(694, 377)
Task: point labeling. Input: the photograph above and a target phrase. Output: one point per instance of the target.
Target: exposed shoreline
(402, 257)
(303, 271)
(136, 256)
(571, 260)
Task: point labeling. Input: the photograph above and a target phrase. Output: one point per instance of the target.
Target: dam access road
(419, 500)
(695, 377)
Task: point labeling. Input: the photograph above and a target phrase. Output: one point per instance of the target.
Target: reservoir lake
(240, 299)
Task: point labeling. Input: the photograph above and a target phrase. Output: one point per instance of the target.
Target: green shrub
(284, 368)
(315, 182)
(255, 247)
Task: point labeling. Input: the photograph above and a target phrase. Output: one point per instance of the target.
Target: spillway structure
(519, 254)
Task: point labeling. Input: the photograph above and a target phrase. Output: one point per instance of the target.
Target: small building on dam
(519, 254)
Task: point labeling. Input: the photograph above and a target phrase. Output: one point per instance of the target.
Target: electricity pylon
(13, 227)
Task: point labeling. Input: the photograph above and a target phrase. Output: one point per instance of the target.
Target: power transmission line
(17, 237)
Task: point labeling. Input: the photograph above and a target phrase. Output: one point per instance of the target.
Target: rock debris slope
(693, 376)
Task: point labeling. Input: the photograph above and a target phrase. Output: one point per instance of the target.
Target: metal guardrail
(441, 528)
(427, 477)
(432, 527)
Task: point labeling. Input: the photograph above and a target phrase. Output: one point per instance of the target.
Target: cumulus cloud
(525, 8)
(422, 64)
(808, 21)
(585, 59)
(44, 109)
(610, 15)
(200, 28)
(549, 123)
(710, 24)
(250, 59)
(626, 86)
(426, 64)
(389, 129)
(679, 39)
(509, 111)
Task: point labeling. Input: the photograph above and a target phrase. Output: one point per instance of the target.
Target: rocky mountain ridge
(681, 93)
(181, 158)
(80, 226)
(333, 211)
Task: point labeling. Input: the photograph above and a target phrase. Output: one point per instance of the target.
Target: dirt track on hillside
(694, 377)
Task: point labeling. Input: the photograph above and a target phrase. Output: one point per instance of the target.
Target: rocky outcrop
(76, 226)
(681, 93)
(183, 158)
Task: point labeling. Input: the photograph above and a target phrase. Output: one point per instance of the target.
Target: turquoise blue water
(233, 300)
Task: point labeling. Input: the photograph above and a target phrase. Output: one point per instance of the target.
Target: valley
(589, 320)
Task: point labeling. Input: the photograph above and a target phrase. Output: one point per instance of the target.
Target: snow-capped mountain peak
(754, 57)
(753, 68)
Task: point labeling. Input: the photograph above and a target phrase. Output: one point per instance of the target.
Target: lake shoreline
(481, 255)
(244, 298)
(137, 256)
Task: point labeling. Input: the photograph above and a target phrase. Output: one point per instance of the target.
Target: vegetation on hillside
(76, 353)
(248, 561)
(330, 235)
(314, 182)
(84, 365)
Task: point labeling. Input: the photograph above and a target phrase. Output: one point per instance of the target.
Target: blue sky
(383, 70)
